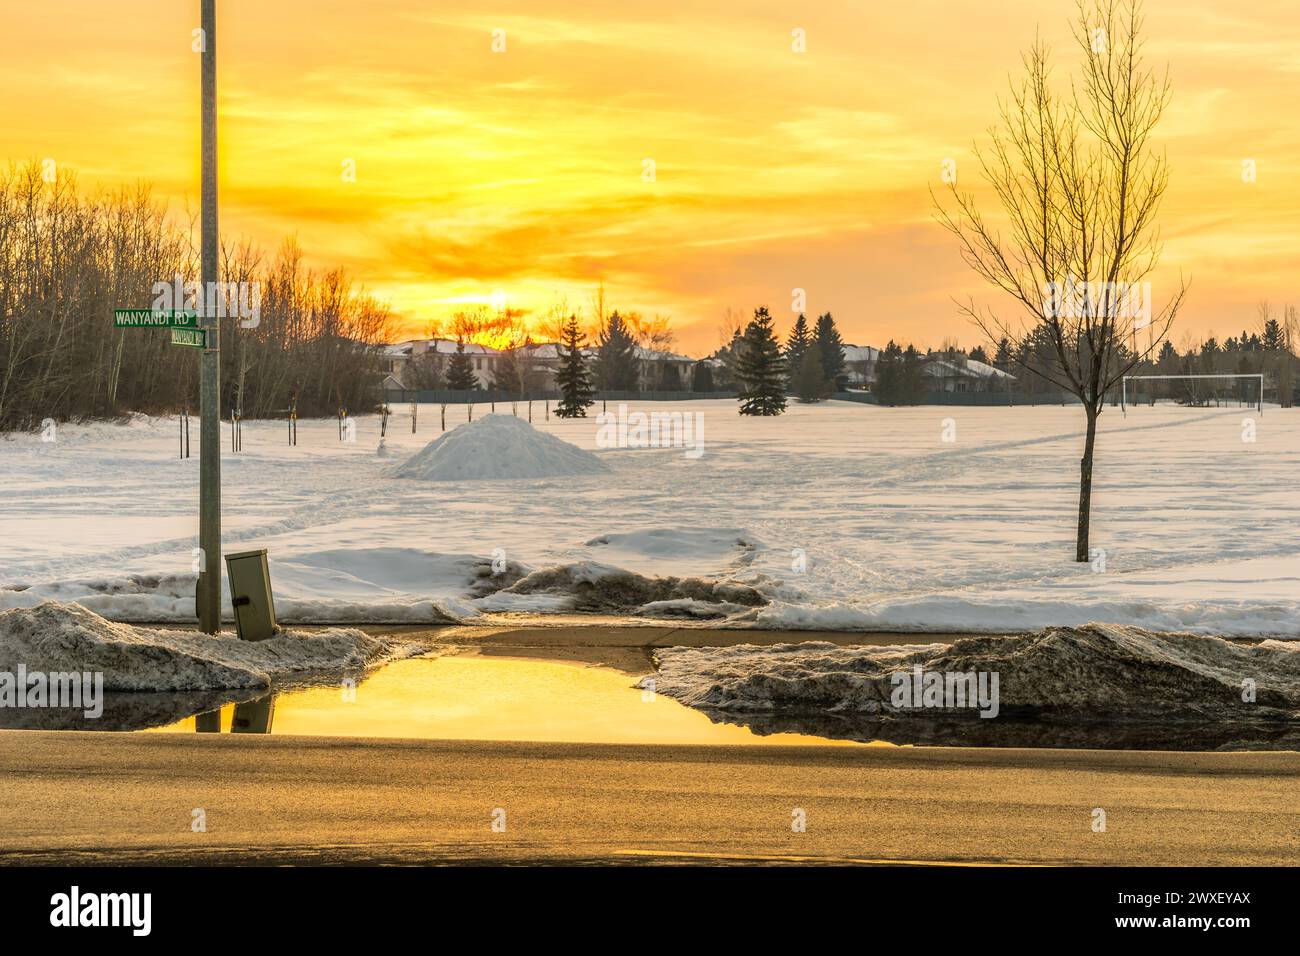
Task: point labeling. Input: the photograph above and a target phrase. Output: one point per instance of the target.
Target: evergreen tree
(460, 370)
(1003, 359)
(573, 377)
(672, 379)
(830, 348)
(797, 344)
(810, 383)
(761, 368)
(913, 382)
(889, 375)
(508, 375)
(977, 354)
(616, 361)
(1272, 340)
(702, 377)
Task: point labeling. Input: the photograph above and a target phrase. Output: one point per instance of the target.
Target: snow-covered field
(836, 516)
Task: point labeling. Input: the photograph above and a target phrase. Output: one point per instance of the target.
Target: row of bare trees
(68, 260)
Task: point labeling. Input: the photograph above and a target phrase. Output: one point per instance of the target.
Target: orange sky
(521, 171)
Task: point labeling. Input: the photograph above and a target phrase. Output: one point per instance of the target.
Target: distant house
(402, 361)
(660, 370)
(961, 374)
(540, 362)
(860, 365)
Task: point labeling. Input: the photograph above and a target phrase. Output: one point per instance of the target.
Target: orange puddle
(492, 698)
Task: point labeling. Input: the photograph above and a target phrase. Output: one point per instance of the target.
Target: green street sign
(193, 338)
(149, 319)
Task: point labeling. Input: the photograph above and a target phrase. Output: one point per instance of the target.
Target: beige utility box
(250, 593)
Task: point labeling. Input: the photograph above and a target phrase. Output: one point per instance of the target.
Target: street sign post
(209, 584)
(191, 338)
(204, 333)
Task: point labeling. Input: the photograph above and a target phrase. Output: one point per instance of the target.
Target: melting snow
(67, 637)
(1096, 672)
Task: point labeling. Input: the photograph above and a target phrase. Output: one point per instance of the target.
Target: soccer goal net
(1195, 390)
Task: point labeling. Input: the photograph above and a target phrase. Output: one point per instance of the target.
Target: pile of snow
(496, 447)
(1101, 673)
(67, 637)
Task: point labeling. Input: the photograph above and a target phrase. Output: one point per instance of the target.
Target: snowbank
(975, 614)
(1097, 672)
(67, 637)
(371, 585)
(591, 586)
(498, 447)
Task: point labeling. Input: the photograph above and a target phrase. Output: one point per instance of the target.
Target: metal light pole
(209, 596)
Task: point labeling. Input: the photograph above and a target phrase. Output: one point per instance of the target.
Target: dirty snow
(1096, 672)
(66, 637)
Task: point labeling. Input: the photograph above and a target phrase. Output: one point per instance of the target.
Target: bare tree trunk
(1085, 488)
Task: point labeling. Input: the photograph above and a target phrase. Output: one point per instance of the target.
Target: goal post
(1258, 376)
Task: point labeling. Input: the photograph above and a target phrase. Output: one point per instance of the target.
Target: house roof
(441, 346)
(659, 355)
(969, 368)
(860, 353)
(543, 349)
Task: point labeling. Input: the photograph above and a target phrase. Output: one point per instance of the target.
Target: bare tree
(1080, 184)
(1286, 374)
(655, 334)
(550, 325)
(68, 260)
(731, 326)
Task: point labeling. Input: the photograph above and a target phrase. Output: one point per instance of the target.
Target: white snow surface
(838, 516)
(497, 447)
(55, 637)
